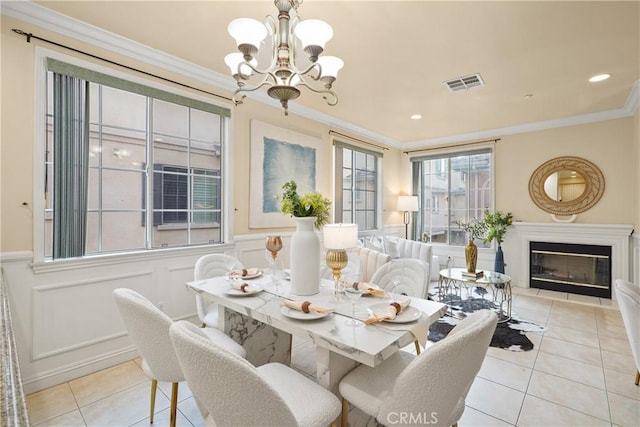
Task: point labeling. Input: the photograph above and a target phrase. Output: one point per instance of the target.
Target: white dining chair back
(236, 393)
(628, 296)
(148, 328)
(406, 276)
(444, 373)
(432, 386)
(208, 266)
(370, 261)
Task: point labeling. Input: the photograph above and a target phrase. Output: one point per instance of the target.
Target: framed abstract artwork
(279, 155)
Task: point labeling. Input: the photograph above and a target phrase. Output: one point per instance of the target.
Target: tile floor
(580, 373)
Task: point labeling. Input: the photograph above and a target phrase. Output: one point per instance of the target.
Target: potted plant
(309, 210)
(495, 228)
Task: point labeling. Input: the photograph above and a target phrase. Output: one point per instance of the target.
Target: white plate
(301, 315)
(248, 276)
(238, 293)
(409, 314)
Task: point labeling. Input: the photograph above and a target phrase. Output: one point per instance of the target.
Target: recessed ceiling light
(528, 96)
(599, 78)
(416, 117)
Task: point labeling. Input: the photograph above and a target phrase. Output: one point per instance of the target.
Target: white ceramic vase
(305, 258)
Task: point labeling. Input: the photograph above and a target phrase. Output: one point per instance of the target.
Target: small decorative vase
(305, 258)
(499, 264)
(471, 256)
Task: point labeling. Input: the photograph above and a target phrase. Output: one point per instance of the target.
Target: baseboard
(64, 374)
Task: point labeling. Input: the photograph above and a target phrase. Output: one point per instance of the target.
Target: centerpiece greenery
(495, 226)
(475, 228)
(309, 204)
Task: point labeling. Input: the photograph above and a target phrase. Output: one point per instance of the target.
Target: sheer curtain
(71, 165)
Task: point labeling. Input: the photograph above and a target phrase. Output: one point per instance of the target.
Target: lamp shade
(235, 59)
(330, 65)
(340, 236)
(247, 31)
(408, 203)
(313, 32)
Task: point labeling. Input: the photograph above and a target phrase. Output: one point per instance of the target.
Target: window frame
(417, 175)
(40, 134)
(338, 185)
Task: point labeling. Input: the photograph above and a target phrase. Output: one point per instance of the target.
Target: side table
(498, 283)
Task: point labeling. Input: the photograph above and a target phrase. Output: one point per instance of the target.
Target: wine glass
(353, 294)
(231, 262)
(273, 244)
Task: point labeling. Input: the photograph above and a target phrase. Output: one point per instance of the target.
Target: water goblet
(353, 294)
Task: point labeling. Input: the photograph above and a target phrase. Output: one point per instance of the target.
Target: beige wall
(607, 144)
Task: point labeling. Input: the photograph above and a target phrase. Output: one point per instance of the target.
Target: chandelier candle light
(337, 238)
(286, 73)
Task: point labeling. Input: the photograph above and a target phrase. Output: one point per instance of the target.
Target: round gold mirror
(566, 185)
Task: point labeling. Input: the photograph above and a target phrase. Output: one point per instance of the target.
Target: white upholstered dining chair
(208, 266)
(406, 276)
(433, 385)
(628, 296)
(236, 393)
(148, 327)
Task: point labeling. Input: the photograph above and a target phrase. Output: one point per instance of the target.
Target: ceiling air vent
(464, 83)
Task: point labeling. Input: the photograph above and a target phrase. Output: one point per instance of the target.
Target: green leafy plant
(496, 225)
(475, 228)
(309, 204)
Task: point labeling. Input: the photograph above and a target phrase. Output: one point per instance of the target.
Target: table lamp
(337, 238)
(407, 204)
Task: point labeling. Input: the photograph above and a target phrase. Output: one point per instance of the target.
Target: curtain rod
(30, 36)
(356, 139)
(452, 146)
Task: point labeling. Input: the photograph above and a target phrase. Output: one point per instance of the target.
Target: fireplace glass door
(578, 269)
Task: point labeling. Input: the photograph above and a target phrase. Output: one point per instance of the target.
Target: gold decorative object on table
(475, 229)
(337, 238)
(273, 245)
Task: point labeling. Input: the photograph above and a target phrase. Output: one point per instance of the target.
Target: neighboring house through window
(102, 132)
(451, 187)
(357, 188)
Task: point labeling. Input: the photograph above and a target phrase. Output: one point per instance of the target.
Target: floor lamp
(407, 204)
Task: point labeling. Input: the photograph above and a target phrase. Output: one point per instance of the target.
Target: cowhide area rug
(510, 335)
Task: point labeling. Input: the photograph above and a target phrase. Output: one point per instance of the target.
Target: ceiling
(398, 54)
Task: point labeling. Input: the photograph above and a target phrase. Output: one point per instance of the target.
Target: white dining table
(257, 322)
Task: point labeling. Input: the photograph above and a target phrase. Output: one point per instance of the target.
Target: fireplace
(574, 268)
(517, 248)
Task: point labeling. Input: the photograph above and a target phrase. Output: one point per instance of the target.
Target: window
(102, 132)
(452, 187)
(357, 186)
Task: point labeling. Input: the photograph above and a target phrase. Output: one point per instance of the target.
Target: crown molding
(47, 19)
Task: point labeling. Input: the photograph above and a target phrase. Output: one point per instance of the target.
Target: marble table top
(368, 344)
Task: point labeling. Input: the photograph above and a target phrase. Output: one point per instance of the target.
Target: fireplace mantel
(516, 244)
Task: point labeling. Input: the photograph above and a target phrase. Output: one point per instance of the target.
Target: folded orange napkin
(243, 272)
(241, 285)
(306, 307)
(365, 287)
(389, 312)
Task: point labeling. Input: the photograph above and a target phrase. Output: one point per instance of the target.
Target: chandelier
(288, 70)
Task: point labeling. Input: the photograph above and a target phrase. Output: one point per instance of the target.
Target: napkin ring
(397, 306)
(305, 306)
